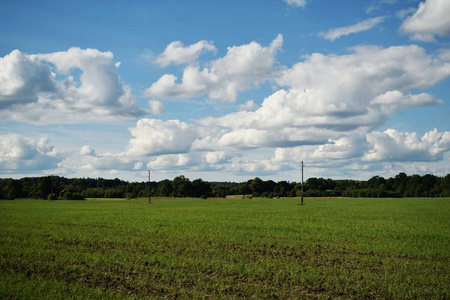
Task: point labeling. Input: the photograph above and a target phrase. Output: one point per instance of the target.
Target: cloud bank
(27, 154)
(324, 109)
(72, 86)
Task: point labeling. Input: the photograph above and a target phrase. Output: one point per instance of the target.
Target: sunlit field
(225, 248)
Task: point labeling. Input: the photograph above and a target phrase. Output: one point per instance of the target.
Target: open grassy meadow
(225, 248)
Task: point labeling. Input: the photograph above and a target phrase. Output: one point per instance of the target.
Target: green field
(225, 248)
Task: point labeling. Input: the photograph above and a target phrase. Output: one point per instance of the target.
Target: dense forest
(55, 187)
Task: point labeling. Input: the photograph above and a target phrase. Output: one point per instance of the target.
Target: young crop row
(252, 248)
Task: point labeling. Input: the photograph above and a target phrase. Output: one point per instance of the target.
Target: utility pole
(302, 185)
(149, 189)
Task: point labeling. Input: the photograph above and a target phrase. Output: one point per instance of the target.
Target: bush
(94, 193)
(129, 195)
(267, 195)
(52, 197)
(313, 193)
(73, 196)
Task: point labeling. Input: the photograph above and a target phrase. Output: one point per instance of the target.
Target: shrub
(52, 197)
(73, 196)
(129, 195)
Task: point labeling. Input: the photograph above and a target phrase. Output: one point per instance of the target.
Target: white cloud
(156, 137)
(405, 12)
(87, 151)
(216, 157)
(107, 161)
(256, 138)
(377, 5)
(394, 101)
(431, 18)
(392, 145)
(255, 167)
(156, 107)
(385, 153)
(444, 54)
(347, 147)
(22, 153)
(181, 161)
(176, 53)
(297, 3)
(423, 37)
(248, 106)
(365, 25)
(324, 114)
(138, 165)
(22, 78)
(330, 97)
(240, 69)
(351, 146)
(45, 88)
(344, 86)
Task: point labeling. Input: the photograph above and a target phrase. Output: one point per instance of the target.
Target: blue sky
(224, 90)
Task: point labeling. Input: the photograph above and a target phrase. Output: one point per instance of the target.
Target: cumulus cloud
(138, 165)
(249, 105)
(176, 53)
(45, 88)
(241, 68)
(22, 153)
(174, 162)
(255, 167)
(347, 147)
(331, 96)
(22, 78)
(343, 87)
(216, 157)
(110, 161)
(257, 138)
(394, 101)
(296, 3)
(365, 25)
(153, 137)
(156, 107)
(351, 146)
(430, 19)
(392, 145)
(325, 115)
(324, 112)
(87, 151)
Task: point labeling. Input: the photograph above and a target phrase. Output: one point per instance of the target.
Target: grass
(225, 248)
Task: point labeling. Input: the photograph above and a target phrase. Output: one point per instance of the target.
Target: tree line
(56, 187)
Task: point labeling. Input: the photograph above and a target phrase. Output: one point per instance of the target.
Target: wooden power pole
(302, 185)
(149, 189)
